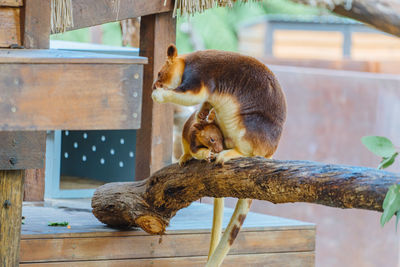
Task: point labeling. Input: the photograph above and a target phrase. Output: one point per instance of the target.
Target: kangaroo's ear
(211, 116)
(201, 116)
(172, 52)
(198, 126)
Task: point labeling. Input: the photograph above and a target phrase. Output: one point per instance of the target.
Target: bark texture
(383, 15)
(151, 203)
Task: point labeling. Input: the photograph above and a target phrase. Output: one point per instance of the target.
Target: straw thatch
(190, 7)
(329, 4)
(61, 15)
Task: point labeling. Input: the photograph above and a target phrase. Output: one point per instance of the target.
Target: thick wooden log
(11, 192)
(381, 14)
(151, 203)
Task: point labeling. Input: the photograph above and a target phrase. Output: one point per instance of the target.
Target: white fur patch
(186, 99)
(160, 95)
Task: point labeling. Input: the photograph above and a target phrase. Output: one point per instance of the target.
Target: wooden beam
(10, 29)
(11, 189)
(22, 150)
(70, 96)
(36, 24)
(28, 150)
(303, 259)
(54, 56)
(151, 203)
(34, 184)
(13, 3)
(57, 249)
(87, 13)
(35, 19)
(154, 139)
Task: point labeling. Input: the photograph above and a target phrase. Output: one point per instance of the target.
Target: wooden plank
(187, 235)
(11, 190)
(36, 34)
(289, 259)
(195, 219)
(154, 139)
(65, 96)
(101, 248)
(54, 56)
(36, 24)
(87, 13)
(22, 150)
(10, 32)
(11, 3)
(34, 184)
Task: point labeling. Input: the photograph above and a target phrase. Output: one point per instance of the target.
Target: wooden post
(11, 193)
(154, 139)
(35, 19)
(35, 25)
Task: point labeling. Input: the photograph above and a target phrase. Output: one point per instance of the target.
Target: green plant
(384, 148)
(217, 28)
(58, 224)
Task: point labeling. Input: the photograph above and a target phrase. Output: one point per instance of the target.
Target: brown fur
(201, 132)
(249, 102)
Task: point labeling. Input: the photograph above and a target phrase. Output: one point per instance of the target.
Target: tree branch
(151, 203)
(383, 15)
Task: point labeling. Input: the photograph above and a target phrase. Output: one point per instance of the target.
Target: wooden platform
(264, 241)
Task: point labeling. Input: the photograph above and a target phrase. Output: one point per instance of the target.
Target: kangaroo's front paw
(183, 159)
(211, 156)
(220, 159)
(160, 95)
(226, 155)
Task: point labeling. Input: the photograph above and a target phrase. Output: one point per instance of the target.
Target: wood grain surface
(287, 259)
(11, 189)
(65, 96)
(88, 13)
(10, 30)
(174, 187)
(11, 3)
(261, 241)
(154, 139)
(54, 56)
(36, 24)
(22, 150)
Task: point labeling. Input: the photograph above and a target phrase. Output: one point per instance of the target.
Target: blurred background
(338, 76)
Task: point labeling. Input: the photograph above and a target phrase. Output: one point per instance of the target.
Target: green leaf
(397, 219)
(391, 204)
(386, 162)
(380, 146)
(58, 223)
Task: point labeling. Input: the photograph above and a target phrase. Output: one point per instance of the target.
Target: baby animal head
(209, 134)
(170, 75)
